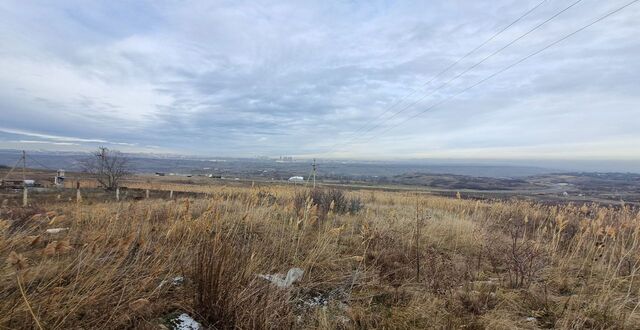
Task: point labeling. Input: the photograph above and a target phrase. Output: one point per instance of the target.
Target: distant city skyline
(302, 79)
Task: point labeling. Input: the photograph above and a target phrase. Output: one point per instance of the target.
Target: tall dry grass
(402, 261)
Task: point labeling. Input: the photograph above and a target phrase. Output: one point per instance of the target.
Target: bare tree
(108, 167)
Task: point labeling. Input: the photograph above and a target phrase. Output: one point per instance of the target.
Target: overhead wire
(449, 67)
(508, 67)
(446, 83)
(536, 27)
(39, 163)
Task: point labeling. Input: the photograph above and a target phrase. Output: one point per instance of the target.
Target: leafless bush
(333, 200)
(521, 257)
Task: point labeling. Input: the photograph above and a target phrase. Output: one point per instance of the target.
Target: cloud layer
(244, 78)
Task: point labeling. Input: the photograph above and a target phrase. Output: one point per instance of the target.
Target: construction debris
(184, 322)
(281, 281)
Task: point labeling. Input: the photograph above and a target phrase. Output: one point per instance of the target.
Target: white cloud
(217, 77)
(48, 136)
(47, 142)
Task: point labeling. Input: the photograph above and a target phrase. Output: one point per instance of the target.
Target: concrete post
(171, 194)
(147, 193)
(118, 194)
(25, 198)
(78, 196)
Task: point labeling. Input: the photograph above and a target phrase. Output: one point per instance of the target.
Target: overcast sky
(247, 78)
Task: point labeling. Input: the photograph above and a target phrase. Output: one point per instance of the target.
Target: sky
(328, 79)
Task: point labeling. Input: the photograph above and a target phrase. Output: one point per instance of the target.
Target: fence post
(78, 195)
(171, 194)
(147, 193)
(117, 193)
(25, 198)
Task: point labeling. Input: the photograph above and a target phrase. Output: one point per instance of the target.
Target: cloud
(300, 77)
(47, 142)
(50, 137)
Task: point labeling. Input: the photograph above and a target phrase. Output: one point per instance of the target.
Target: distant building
(296, 179)
(284, 159)
(59, 178)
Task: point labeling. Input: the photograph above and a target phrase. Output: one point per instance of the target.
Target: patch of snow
(280, 281)
(185, 322)
(530, 319)
(176, 281)
(316, 301)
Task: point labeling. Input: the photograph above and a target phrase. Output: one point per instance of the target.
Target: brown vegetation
(476, 264)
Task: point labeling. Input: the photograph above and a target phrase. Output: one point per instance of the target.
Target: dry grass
(493, 265)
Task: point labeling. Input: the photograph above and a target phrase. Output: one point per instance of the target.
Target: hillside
(451, 181)
(367, 259)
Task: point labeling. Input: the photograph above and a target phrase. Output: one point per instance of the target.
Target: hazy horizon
(552, 165)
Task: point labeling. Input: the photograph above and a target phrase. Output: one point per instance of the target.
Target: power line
(567, 36)
(39, 163)
(414, 91)
(468, 69)
(12, 168)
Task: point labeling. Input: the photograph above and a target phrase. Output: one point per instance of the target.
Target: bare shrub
(440, 272)
(514, 253)
(332, 200)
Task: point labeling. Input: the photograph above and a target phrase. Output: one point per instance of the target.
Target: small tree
(108, 167)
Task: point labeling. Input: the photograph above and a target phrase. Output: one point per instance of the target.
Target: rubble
(281, 281)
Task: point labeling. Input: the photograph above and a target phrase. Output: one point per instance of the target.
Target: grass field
(371, 259)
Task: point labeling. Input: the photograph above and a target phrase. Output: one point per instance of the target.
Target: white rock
(176, 281)
(56, 230)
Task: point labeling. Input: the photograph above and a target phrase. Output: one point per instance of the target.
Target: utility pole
(25, 191)
(314, 173)
(24, 165)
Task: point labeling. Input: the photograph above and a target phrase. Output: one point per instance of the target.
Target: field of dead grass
(389, 260)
